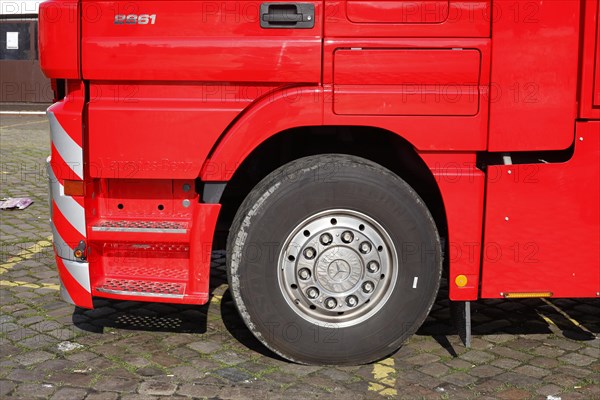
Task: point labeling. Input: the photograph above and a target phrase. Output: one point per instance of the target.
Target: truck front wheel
(333, 259)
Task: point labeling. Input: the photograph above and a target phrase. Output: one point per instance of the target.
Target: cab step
(140, 230)
(140, 226)
(142, 288)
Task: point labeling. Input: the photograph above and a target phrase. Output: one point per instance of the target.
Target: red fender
(288, 108)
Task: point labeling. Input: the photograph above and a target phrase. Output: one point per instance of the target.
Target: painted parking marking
(30, 285)
(566, 316)
(384, 378)
(26, 254)
(23, 113)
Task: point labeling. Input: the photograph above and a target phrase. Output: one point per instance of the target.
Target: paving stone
(186, 373)
(199, 390)
(35, 390)
(423, 359)
(82, 380)
(477, 357)
(544, 362)
(157, 388)
(116, 384)
(510, 353)
(549, 390)
(532, 371)
(593, 352)
(69, 394)
(143, 397)
(577, 359)
(522, 381)
(38, 342)
(6, 387)
(513, 394)
(567, 345)
(506, 363)
(232, 374)
(150, 371)
(165, 360)
(8, 350)
(33, 357)
(102, 396)
(297, 369)
(436, 369)
(564, 381)
(25, 375)
(485, 371)
(204, 347)
(459, 379)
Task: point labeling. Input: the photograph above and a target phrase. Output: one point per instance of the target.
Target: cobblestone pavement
(128, 350)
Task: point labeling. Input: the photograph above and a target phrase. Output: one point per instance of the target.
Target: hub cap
(337, 267)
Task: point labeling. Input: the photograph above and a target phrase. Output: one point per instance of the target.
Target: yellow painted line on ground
(567, 316)
(216, 299)
(548, 320)
(26, 254)
(384, 378)
(30, 285)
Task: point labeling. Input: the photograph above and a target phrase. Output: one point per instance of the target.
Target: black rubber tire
(303, 188)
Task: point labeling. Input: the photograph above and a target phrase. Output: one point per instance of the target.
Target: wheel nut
(304, 273)
(373, 266)
(351, 301)
(368, 287)
(365, 247)
(312, 292)
(347, 237)
(326, 239)
(309, 253)
(330, 303)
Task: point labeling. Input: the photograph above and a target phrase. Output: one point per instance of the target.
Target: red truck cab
(352, 152)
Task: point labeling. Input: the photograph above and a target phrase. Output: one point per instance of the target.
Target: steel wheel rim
(338, 267)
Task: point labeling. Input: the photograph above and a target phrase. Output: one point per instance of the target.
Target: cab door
(227, 41)
(167, 78)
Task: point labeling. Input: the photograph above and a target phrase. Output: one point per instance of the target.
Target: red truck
(353, 151)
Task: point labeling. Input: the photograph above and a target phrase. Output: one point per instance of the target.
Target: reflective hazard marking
(415, 281)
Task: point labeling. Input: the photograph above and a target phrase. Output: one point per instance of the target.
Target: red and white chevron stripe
(68, 212)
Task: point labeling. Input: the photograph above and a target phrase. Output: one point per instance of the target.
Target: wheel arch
(375, 144)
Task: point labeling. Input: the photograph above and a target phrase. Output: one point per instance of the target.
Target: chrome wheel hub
(337, 267)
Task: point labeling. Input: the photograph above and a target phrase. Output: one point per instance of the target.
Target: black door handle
(287, 15)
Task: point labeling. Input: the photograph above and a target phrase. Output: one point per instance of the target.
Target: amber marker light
(73, 188)
(527, 295)
(461, 281)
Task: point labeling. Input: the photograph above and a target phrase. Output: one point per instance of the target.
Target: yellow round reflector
(461, 281)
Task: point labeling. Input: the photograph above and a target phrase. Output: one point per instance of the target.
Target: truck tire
(333, 259)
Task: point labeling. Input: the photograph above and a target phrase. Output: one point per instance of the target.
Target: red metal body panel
(444, 132)
(426, 18)
(197, 41)
(462, 186)
(398, 12)
(59, 44)
(589, 104)
(160, 131)
(542, 224)
(534, 76)
(406, 82)
(281, 110)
